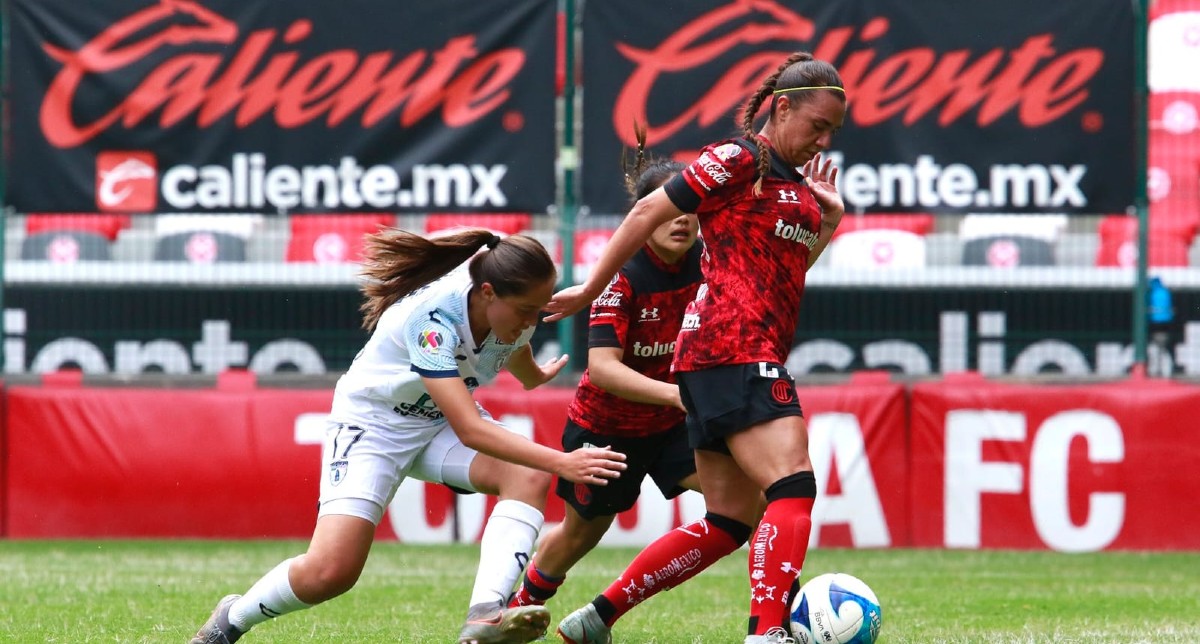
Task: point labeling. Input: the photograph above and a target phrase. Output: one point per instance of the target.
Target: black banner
(1022, 106)
(1018, 331)
(261, 106)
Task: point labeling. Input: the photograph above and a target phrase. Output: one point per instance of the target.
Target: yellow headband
(797, 89)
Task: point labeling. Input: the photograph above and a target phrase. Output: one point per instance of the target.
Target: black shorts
(664, 456)
(725, 400)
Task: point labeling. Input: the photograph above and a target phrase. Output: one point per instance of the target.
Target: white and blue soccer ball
(835, 608)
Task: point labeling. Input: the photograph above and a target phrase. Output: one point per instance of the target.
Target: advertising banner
(89, 462)
(308, 106)
(1051, 467)
(953, 107)
(1018, 331)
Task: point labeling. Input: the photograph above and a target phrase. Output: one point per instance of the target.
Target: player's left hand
(822, 178)
(551, 368)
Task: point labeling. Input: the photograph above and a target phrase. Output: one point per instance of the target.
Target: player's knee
(801, 485)
(325, 579)
(525, 484)
(738, 531)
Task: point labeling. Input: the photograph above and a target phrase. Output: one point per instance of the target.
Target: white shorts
(362, 467)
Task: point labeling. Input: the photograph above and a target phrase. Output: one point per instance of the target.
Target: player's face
(672, 240)
(802, 128)
(510, 315)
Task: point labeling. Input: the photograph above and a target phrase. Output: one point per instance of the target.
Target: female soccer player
(627, 397)
(405, 408)
(764, 224)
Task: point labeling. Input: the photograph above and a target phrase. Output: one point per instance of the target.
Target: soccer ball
(835, 608)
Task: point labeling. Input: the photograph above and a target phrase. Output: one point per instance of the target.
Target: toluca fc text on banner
(307, 106)
(1017, 106)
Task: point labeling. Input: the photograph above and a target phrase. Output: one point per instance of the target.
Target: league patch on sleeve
(727, 151)
(429, 341)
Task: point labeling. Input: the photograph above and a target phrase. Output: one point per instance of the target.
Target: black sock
(604, 609)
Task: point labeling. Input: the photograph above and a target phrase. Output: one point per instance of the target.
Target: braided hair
(800, 70)
(643, 174)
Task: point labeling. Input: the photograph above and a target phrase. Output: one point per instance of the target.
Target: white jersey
(426, 333)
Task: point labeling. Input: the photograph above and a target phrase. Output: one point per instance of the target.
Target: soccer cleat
(777, 635)
(218, 630)
(584, 626)
(496, 624)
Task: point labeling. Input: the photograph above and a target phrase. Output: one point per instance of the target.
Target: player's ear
(488, 291)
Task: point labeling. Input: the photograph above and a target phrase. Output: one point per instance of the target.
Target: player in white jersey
(405, 409)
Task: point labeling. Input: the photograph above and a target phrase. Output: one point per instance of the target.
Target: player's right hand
(592, 465)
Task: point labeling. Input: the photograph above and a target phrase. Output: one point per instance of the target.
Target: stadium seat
(1118, 244)
(499, 223)
(203, 239)
(1009, 241)
(1008, 251)
(1171, 44)
(107, 226)
(65, 246)
(917, 223)
(877, 248)
(332, 239)
(236, 225)
(589, 244)
(200, 247)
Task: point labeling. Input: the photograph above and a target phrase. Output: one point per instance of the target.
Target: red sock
(777, 552)
(672, 559)
(536, 588)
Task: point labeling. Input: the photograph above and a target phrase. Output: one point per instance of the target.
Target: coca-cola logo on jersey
(1038, 81)
(206, 67)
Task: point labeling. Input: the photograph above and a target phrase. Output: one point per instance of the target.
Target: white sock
(504, 550)
(268, 598)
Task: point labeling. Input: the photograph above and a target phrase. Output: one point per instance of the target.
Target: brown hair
(799, 70)
(645, 174)
(397, 262)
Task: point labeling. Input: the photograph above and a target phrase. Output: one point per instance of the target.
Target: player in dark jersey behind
(627, 399)
(764, 224)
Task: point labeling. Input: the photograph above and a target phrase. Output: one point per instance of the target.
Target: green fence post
(568, 160)
(4, 211)
(1141, 143)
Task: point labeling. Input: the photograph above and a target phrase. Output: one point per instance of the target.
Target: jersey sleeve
(608, 324)
(719, 166)
(431, 341)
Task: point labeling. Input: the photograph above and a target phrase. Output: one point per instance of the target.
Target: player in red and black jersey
(764, 224)
(627, 399)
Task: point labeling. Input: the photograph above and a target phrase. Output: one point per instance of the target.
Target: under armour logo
(650, 314)
(789, 196)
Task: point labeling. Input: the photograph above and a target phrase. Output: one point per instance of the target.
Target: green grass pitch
(160, 591)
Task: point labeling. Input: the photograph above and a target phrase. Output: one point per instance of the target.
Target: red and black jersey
(640, 312)
(755, 259)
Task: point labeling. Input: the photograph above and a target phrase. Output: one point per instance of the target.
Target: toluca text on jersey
(653, 350)
(796, 233)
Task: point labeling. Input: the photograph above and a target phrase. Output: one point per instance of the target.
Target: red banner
(1068, 468)
(961, 463)
(244, 464)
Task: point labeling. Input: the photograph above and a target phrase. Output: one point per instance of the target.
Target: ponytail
(398, 262)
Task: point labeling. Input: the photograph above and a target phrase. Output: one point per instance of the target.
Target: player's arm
(607, 372)
(590, 465)
(531, 374)
(648, 213)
